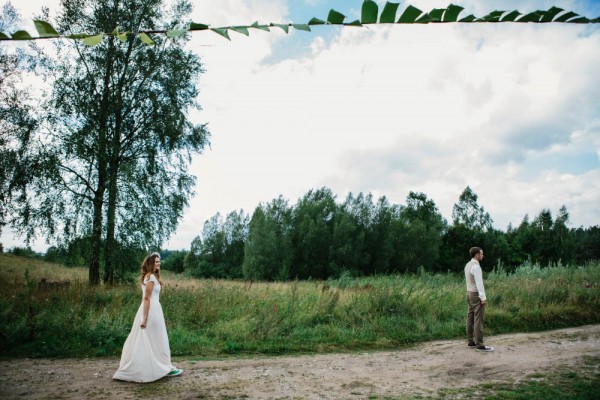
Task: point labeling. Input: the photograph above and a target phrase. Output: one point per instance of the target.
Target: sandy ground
(420, 370)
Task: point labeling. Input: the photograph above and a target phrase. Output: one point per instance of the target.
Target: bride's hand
(143, 325)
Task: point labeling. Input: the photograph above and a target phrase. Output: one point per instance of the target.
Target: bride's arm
(147, 294)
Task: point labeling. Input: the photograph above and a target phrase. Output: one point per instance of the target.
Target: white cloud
(422, 108)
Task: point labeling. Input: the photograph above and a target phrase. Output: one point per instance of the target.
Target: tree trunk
(110, 245)
(102, 158)
(94, 272)
(115, 162)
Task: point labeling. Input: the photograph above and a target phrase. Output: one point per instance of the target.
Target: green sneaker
(175, 372)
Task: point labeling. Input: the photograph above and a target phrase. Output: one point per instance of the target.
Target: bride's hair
(148, 267)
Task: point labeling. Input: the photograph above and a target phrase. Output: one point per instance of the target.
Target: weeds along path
(421, 370)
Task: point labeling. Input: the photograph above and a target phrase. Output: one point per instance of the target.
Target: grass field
(208, 318)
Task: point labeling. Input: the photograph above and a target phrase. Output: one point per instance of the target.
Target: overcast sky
(511, 110)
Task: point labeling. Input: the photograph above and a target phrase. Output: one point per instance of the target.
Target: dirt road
(423, 369)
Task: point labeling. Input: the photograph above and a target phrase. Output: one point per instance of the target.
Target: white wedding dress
(146, 354)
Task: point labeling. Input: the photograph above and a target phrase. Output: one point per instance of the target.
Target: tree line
(321, 238)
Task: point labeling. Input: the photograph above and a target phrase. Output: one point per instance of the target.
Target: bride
(146, 354)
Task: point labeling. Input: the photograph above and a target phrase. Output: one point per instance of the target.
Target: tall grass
(212, 317)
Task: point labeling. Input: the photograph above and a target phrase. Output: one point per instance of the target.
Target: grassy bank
(208, 318)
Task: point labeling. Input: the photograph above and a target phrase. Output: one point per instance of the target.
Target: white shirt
(474, 278)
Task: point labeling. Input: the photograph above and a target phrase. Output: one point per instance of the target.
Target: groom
(477, 301)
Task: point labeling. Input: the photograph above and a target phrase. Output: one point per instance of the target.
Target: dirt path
(423, 369)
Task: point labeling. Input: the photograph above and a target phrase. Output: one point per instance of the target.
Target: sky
(511, 110)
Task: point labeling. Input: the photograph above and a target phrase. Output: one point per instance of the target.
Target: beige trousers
(475, 318)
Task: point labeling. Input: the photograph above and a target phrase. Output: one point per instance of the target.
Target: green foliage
(212, 250)
(211, 317)
(421, 231)
(587, 243)
(268, 249)
(77, 253)
(350, 254)
(220, 251)
(23, 252)
(320, 238)
(74, 254)
(111, 161)
(173, 261)
(312, 220)
(369, 15)
(16, 123)
(468, 213)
